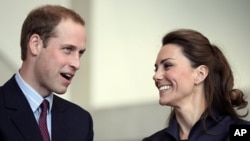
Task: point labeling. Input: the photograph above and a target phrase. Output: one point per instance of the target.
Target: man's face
(57, 63)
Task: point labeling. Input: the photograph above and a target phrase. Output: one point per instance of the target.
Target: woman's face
(174, 76)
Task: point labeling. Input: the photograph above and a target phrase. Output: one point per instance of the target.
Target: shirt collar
(33, 97)
(213, 118)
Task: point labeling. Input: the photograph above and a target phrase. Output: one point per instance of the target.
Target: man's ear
(35, 44)
(201, 74)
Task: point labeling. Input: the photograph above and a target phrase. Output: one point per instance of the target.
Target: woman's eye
(167, 66)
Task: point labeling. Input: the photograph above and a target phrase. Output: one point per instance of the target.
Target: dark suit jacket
(17, 121)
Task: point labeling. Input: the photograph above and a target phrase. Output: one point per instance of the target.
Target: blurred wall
(7, 69)
(124, 36)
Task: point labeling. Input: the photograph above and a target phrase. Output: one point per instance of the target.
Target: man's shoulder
(9, 85)
(68, 105)
(9, 82)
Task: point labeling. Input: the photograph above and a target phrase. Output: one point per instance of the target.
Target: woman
(196, 81)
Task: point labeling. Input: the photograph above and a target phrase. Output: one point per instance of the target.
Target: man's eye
(81, 53)
(67, 49)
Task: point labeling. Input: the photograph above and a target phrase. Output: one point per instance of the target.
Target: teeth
(68, 75)
(164, 87)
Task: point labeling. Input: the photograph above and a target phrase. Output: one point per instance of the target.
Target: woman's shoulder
(241, 122)
(161, 135)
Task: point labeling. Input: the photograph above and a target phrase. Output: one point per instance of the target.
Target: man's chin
(60, 92)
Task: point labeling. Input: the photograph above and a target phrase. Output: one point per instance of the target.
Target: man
(53, 38)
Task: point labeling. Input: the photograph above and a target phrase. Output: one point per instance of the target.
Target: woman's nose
(158, 75)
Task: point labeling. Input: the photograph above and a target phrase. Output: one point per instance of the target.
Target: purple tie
(43, 120)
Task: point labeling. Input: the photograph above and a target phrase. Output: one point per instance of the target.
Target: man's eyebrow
(72, 46)
(68, 45)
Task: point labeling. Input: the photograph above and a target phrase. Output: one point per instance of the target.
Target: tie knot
(44, 106)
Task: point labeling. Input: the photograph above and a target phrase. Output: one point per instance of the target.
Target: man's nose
(75, 62)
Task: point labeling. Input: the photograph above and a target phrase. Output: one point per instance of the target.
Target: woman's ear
(201, 74)
(35, 44)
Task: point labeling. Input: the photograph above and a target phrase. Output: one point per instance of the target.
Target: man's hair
(43, 21)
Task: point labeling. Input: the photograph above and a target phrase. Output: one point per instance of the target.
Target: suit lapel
(20, 111)
(27, 125)
(59, 121)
